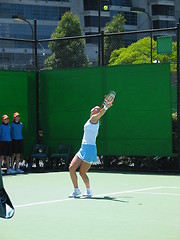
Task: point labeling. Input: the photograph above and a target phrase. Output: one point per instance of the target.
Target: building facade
(155, 14)
(158, 13)
(47, 14)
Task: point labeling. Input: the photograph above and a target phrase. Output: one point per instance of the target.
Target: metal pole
(37, 81)
(102, 47)
(30, 27)
(151, 32)
(178, 98)
(99, 31)
(32, 43)
(151, 46)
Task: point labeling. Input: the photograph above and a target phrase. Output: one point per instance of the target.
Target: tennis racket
(6, 207)
(110, 97)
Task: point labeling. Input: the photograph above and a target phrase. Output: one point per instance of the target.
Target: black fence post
(151, 46)
(37, 81)
(102, 48)
(178, 99)
(99, 32)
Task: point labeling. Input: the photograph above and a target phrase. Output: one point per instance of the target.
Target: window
(18, 9)
(131, 18)
(28, 11)
(5, 10)
(163, 10)
(94, 4)
(92, 21)
(56, 0)
(163, 24)
(54, 14)
(32, 11)
(126, 3)
(45, 13)
(90, 5)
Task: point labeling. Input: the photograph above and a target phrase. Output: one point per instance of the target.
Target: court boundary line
(156, 193)
(164, 187)
(97, 195)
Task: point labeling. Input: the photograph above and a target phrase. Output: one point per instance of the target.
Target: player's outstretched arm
(94, 118)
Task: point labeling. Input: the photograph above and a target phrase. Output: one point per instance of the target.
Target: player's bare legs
(84, 167)
(75, 163)
(83, 170)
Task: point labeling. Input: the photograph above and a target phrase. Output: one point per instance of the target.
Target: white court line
(156, 193)
(41, 203)
(128, 191)
(99, 195)
(165, 187)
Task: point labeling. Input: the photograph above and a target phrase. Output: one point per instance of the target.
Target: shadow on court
(106, 198)
(109, 199)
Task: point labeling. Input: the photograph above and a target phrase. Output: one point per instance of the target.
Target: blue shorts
(88, 153)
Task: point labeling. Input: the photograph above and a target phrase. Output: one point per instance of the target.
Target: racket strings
(110, 97)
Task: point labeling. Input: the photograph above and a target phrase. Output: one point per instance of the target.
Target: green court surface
(124, 207)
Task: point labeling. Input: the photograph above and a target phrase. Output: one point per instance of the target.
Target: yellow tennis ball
(105, 8)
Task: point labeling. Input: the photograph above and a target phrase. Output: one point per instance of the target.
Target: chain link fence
(16, 54)
(150, 46)
(82, 51)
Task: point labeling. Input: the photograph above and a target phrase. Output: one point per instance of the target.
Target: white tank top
(90, 133)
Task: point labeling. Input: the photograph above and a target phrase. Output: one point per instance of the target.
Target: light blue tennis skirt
(88, 153)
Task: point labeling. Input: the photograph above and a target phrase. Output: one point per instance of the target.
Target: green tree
(140, 52)
(113, 42)
(67, 53)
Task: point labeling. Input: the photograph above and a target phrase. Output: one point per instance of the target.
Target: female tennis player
(88, 152)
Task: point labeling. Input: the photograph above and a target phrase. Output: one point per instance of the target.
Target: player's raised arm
(96, 116)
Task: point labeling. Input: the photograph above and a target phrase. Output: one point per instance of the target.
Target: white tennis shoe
(76, 193)
(88, 193)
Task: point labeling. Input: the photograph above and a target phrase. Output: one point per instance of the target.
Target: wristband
(105, 108)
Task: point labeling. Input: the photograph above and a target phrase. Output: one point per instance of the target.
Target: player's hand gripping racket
(6, 207)
(110, 97)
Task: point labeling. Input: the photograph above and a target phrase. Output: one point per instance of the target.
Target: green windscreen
(174, 98)
(139, 123)
(17, 94)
